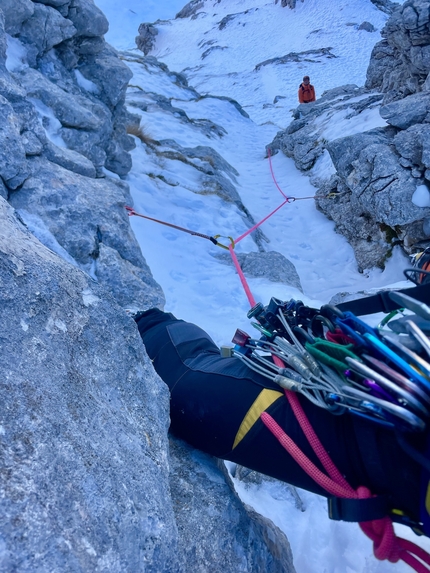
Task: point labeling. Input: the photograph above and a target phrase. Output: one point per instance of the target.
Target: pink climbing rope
(261, 222)
(243, 280)
(269, 155)
(287, 200)
(386, 545)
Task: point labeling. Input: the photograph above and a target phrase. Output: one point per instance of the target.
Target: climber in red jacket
(306, 91)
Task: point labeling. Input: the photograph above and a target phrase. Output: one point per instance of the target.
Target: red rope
(260, 222)
(269, 155)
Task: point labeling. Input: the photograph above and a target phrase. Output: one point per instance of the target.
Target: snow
(87, 85)
(421, 196)
(48, 120)
(16, 55)
(197, 286)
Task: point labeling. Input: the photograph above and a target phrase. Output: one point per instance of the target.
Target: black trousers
(215, 406)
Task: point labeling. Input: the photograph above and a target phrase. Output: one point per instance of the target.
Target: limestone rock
(87, 18)
(190, 9)
(206, 508)
(70, 109)
(13, 165)
(15, 13)
(407, 111)
(109, 74)
(400, 63)
(82, 214)
(69, 159)
(83, 421)
(270, 265)
(146, 39)
(56, 30)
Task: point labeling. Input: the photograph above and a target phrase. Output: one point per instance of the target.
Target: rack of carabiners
(340, 363)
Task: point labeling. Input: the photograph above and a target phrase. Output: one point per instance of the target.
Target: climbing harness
(341, 364)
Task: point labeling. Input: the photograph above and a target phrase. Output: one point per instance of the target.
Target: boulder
(269, 265)
(87, 18)
(16, 12)
(56, 29)
(190, 9)
(146, 39)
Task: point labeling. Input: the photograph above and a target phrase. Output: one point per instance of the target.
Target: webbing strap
(381, 302)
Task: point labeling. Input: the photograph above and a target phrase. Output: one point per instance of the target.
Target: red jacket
(306, 93)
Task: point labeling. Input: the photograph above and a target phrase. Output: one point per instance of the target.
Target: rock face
(83, 423)
(400, 64)
(86, 473)
(62, 94)
(378, 193)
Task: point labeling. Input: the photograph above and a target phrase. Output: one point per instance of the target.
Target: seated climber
(306, 91)
(216, 406)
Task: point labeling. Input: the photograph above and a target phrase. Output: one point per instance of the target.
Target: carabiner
(221, 245)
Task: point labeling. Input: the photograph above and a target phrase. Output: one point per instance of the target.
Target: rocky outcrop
(64, 125)
(385, 5)
(379, 176)
(378, 193)
(288, 3)
(400, 64)
(146, 39)
(190, 9)
(63, 71)
(317, 55)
